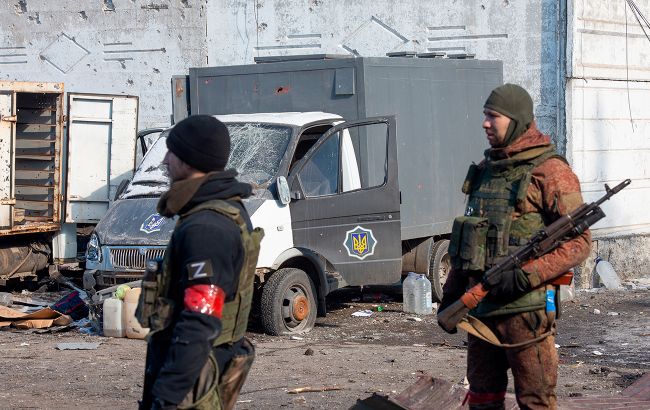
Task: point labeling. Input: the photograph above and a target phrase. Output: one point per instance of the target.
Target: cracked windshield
(256, 152)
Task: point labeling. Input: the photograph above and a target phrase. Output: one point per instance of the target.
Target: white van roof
(289, 118)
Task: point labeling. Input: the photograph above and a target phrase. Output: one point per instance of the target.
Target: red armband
(206, 299)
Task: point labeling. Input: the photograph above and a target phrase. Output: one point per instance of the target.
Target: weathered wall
(134, 46)
(608, 123)
(527, 36)
(104, 46)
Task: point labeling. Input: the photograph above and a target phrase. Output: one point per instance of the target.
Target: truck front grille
(133, 257)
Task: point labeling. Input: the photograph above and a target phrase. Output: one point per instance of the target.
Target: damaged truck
(356, 165)
(58, 172)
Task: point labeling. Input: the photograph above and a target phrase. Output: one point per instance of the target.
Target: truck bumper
(99, 279)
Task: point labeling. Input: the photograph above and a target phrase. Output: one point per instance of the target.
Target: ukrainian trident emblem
(360, 242)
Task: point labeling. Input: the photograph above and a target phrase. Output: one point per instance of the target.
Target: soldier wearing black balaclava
(521, 186)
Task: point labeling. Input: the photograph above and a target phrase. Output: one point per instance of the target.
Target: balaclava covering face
(515, 103)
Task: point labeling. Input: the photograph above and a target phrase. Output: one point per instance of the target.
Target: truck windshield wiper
(148, 182)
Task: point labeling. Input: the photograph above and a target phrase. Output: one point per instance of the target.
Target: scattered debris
(78, 346)
(24, 344)
(296, 338)
(309, 389)
(596, 311)
(42, 318)
(414, 319)
(426, 393)
(72, 305)
(54, 329)
(607, 275)
(612, 313)
(309, 352)
(597, 353)
(5, 298)
(362, 313)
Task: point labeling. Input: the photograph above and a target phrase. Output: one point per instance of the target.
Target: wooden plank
(34, 165)
(31, 132)
(23, 143)
(44, 183)
(36, 116)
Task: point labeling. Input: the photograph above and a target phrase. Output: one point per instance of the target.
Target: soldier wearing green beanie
(522, 185)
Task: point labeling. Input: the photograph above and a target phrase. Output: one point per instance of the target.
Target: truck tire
(288, 303)
(439, 267)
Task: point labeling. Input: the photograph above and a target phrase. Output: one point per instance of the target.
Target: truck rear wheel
(288, 303)
(439, 267)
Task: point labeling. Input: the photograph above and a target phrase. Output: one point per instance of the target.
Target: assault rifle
(544, 241)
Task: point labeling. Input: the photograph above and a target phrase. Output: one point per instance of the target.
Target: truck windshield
(256, 152)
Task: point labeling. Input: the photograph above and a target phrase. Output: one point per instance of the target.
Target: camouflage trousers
(214, 392)
(534, 366)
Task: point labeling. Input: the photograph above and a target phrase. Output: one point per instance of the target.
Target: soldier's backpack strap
(234, 317)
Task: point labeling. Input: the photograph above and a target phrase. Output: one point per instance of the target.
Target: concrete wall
(135, 46)
(104, 46)
(525, 35)
(608, 123)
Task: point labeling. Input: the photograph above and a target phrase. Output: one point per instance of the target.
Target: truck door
(346, 201)
(101, 152)
(7, 131)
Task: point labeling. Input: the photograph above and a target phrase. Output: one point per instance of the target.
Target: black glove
(508, 286)
(160, 404)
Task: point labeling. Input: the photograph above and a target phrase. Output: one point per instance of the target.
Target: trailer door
(101, 152)
(346, 201)
(7, 131)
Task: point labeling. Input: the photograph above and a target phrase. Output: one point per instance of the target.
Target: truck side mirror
(283, 190)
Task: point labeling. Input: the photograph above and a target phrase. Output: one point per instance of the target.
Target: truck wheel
(288, 303)
(439, 267)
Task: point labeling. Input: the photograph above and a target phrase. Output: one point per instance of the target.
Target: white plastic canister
(131, 324)
(113, 323)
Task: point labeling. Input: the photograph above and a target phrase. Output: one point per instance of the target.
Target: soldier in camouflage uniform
(521, 186)
(197, 303)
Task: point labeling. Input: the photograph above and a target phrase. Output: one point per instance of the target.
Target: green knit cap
(515, 103)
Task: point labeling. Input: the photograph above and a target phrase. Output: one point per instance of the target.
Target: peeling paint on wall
(21, 7)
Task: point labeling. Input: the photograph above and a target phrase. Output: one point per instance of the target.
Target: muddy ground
(601, 354)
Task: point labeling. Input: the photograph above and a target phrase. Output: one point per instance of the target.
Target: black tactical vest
(156, 306)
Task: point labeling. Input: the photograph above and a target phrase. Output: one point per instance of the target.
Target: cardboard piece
(41, 319)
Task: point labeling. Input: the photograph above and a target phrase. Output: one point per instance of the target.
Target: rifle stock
(562, 230)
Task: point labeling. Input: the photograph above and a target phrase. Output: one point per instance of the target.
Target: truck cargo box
(437, 103)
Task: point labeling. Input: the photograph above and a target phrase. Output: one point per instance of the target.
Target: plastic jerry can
(131, 324)
(113, 323)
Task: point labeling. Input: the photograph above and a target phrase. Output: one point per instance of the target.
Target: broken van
(354, 196)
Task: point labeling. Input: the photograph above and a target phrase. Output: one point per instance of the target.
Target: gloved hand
(508, 286)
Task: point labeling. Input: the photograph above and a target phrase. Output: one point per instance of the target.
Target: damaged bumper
(119, 264)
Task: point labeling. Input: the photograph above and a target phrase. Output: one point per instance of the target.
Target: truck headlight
(93, 250)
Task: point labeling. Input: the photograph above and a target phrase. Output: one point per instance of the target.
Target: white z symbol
(198, 270)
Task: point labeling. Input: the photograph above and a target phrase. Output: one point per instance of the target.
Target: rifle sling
(474, 326)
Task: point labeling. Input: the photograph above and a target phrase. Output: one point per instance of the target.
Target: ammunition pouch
(467, 248)
(205, 392)
(234, 375)
(147, 302)
(214, 392)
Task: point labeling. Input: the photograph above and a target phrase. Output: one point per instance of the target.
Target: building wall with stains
(608, 123)
(134, 46)
(527, 36)
(104, 46)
